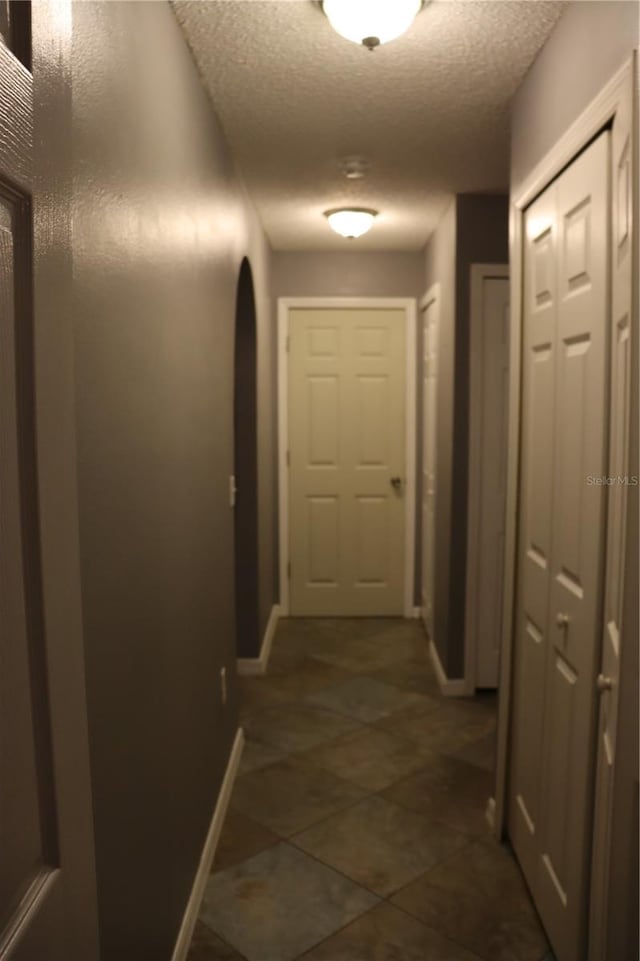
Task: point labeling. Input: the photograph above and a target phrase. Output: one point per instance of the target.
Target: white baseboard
(416, 613)
(190, 917)
(490, 813)
(449, 687)
(258, 665)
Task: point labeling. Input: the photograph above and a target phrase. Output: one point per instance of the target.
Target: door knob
(562, 621)
(396, 483)
(604, 683)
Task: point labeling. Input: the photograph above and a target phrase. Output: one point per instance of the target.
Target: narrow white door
(347, 461)
(429, 447)
(562, 544)
(491, 417)
(535, 522)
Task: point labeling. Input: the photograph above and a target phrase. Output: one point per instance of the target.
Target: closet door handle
(562, 621)
(604, 683)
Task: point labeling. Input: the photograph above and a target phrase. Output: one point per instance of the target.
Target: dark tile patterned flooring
(357, 830)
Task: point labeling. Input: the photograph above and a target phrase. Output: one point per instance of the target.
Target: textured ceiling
(428, 111)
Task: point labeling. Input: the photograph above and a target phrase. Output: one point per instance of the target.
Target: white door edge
(431, 297)
(479, 273)
(408, 304)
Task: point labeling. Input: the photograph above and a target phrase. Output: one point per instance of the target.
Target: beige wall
(160, 229)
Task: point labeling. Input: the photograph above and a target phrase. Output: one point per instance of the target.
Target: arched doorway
(246, 468)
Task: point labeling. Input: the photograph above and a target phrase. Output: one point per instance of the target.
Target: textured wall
(589, 43)
(160, 229)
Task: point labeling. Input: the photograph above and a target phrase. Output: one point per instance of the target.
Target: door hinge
(288, 343)
(289, 570)
(288, 458)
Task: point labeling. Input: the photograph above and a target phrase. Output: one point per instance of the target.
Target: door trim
(408, 304)
(600, 112)
(432, 296)
(479, 273)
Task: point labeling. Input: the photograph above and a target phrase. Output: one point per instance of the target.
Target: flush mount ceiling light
(352, 222)
(371, 22)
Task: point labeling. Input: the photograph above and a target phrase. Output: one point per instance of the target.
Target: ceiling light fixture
(351, 222)
(371, 22)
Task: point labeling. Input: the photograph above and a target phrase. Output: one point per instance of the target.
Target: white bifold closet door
(561, 538)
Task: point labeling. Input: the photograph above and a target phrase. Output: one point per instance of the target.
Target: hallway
(357, 830)
(332, 318)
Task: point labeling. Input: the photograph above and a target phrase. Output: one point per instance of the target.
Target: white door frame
(600, 112)
(432, 296)
(479, 273)
(408, 304)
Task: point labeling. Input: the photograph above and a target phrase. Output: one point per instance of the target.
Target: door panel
(372, 541)
(372, 404)
(347, 428)
(30, 880)
(323, 406)
(23, 811)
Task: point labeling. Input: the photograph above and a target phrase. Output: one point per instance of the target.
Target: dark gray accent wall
(160, 229)
(482, 237)
(590, 42)
(348, 274)
(245, 429)
(473, 230)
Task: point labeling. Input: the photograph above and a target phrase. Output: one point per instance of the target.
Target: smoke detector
(354, 168)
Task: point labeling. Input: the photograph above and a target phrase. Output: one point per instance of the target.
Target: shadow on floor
(357, 827)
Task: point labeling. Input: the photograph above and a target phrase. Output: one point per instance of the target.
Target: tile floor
(357, 829)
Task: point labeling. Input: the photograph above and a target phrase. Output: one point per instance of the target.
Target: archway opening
(245, 412)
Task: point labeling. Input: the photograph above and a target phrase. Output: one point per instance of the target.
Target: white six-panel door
(429, 447)
(561, 541)
(346, 418)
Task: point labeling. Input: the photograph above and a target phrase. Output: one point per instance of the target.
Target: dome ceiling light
(371, 22)
(351, 222)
